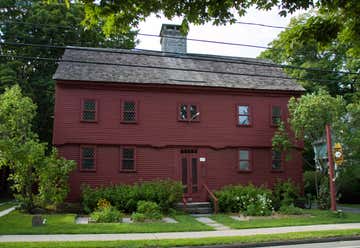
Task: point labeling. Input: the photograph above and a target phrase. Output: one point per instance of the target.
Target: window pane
(183, 112)
(276, 120)
(88, 152)
(244, 120)
(244, 155)
(128, 153)
(129, 116)
(129, 106)
(193, 112)
(243, 110)
(276, 164)
(276, 155)
(244, 165)
(127, 164)
(87, 164)
(276, 111)
(88, 115)
(89, 105)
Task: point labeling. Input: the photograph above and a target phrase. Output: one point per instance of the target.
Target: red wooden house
(128, 116)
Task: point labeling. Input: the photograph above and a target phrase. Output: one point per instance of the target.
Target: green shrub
(126, 197)
(285, 193)
(138, 217)
(310, 179)
(249, 200)
(149, 209)
(290, 210)
(106, 213)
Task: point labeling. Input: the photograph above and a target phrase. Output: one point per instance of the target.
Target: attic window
(129, 112)
(89, 110)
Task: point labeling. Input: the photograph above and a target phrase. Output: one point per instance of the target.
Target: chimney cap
(174, 29)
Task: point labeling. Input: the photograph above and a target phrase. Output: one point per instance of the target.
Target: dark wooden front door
(189, 167)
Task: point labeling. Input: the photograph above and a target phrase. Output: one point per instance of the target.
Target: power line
(183, 56)
(261, 25)
(160, 67)
(72, 29)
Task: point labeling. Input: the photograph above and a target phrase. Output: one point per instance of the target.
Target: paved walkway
(210, 222)
(174, 235)
(6, 211)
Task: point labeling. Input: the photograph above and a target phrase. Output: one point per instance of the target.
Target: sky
(235, 33)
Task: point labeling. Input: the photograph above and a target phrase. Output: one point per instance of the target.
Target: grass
(7, 205)
(20, 223)
(313, 217)
(188, 242)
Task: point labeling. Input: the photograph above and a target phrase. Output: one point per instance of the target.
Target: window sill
(127, 171)
(277, 170)
(187, 121)
(239, 125)
(128, 122)
(87, 170)
(89, 121)
(245, 171)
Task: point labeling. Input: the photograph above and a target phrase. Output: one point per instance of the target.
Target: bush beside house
(125, 198)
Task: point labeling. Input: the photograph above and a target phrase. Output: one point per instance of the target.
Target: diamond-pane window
(128, 159)
(87, 158)
(244, 160)
(276, 160)
(129, 111)
(244, 118)
(193, 112)
(188, 112)
(183, 112)
(89, 110)
(275, 115)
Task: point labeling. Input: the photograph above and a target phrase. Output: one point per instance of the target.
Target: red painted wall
(159, 136)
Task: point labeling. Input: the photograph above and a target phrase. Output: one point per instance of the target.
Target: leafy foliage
(310, 113)
(165, 193)
(285, 193)
(105, 213)
(290, 209)
(249, 199)
(21, 151)
(147, 210)
(324, 194)
(281, 140)
(53, 178)
(35, 22)
(317, 40)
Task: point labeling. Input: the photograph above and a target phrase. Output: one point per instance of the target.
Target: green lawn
(188, 242)
(19, 223)
(313, 217)
(7, 205)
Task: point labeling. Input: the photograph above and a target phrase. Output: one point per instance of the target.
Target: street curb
(279, 243)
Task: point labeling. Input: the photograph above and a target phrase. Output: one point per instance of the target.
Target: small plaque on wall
(202, 159)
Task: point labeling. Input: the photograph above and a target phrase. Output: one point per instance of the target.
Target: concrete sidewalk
(174, 235)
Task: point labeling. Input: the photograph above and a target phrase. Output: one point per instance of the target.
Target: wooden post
(331, 167)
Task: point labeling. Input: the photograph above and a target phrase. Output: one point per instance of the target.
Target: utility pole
(331, 167)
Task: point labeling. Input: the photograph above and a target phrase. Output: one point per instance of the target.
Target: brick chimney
(172, 40)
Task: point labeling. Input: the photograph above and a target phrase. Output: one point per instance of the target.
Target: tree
(317, 40)
(35, 22)
(120, 15)
(22, 152)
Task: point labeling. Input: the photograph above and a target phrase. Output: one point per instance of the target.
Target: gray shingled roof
(151, 67)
